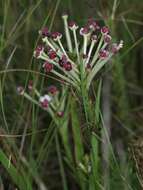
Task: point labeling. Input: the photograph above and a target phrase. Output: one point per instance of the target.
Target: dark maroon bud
(105, 30)
(64, 58)
(39, 49)
(47, 67)
(73, 25)
(92, 24)
(84, 30)
(44, 103)
(52, 89)
(103, 54)
(67, 66)
(56, 35)
(52, 54)
(107, 39)
(44, 32)
(61, 63)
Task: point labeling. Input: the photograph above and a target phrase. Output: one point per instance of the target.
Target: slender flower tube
(85, 33)
(94, 40)
(68, 37)
(73, 26)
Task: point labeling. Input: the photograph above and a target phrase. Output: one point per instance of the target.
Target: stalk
(68, 37)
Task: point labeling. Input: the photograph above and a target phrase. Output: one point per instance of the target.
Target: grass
(37, 152)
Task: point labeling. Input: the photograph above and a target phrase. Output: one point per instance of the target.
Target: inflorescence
(86, 51)
(53, 101)
(84, 54)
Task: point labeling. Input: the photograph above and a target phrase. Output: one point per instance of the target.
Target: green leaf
(97, 103)
(94, 178)
(20, 180)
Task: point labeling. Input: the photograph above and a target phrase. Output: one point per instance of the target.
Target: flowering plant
(75, 64)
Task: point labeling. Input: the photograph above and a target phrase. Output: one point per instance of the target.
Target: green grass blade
(21, 181)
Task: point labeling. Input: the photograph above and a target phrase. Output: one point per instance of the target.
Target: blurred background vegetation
(20, 21)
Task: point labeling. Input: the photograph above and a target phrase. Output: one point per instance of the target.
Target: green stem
(68, 38)
(63, 176)
(76, 45)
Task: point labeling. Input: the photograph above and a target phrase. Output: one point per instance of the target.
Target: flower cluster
(87, 51)
(52, 101)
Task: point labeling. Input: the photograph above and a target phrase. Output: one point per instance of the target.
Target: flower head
(52, 90)
(47, 66)
(88, 55)
(107, 38)
(105, 30)
(92, 24)
(67, 66)
(56, 36)
(45, 100)
(63, 60)
(73, 25)
(52, 54)
(38, 51)
(44, 32)
(84, 31)
(103, 54)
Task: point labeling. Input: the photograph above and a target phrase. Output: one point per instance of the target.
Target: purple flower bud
(63, 60)
(52, 54)
(103, 54)
(44, 32)
(52, 89)
(92, 24)
(44, 101)
(67, 66)
(61, 63)
(56, 36)
(105, 30)
(84, 31)
(38, 51)
(73, 25)
(47, 67)
(107, 38)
